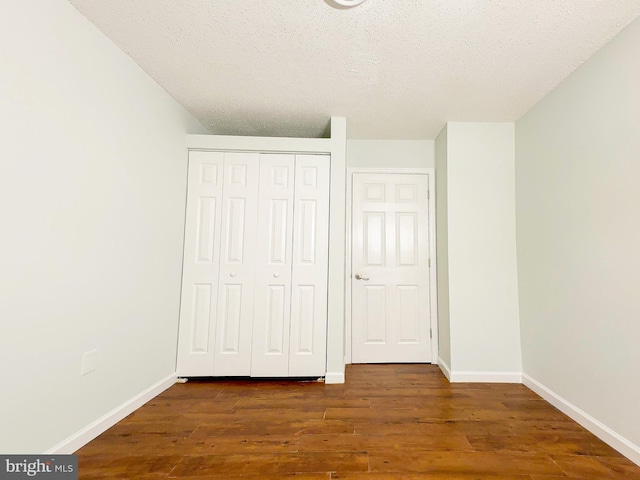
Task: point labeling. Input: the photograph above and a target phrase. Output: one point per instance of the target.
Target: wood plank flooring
(386, 422)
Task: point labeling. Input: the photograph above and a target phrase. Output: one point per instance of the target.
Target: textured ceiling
(397, 69)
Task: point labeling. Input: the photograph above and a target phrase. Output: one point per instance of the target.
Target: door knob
(360, 277)
(276, 275)
(232, 274)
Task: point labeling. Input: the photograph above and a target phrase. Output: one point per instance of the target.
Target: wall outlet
(89, 362)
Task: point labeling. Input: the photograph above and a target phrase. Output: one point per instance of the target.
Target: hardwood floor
(386, 422)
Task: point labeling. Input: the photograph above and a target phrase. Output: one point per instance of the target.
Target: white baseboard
(604, 433)
(334, 377)
(478, 377)
(445, 368)
(485, 377)
(101, 425)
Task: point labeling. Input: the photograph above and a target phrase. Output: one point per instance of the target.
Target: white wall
(390, 153)
(578, 230)
(92, 191)
(337, 252)
(442, 252)
(483, 285)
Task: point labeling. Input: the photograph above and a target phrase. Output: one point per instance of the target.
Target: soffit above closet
(396, 69)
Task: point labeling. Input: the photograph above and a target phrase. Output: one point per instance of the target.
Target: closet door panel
(237, 265)
(272, 308)
(196, 337)
(307, 356)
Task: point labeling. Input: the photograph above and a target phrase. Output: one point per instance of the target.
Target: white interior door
(308, 351)
(390, 268)
(200, 264)
(237, 265)
(272, 308)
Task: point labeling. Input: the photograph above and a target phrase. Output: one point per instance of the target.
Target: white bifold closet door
(272, 306)
(254, 295)
(308, 332)
(197, 334)
(237, 265)
(290, 314)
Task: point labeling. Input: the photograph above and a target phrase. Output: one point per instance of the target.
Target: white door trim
(433, 294)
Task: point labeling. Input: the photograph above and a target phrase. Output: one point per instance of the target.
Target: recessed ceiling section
(396, 70)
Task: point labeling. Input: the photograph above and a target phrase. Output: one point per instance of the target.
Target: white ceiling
(397, 69)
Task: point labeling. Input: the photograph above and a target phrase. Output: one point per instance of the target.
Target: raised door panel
(237, 264)
(272, 307)
(196, 337)
(308, 345)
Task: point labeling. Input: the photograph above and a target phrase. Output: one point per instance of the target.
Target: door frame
(433, 292)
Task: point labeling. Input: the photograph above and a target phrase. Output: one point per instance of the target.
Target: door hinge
(429, 263)
(430, 333)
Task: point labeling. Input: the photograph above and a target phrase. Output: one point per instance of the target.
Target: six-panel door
(390, 269)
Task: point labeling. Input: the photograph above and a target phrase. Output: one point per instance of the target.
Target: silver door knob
(360, 277)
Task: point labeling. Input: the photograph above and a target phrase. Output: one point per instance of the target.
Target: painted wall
(442, 250)
(336, 324)
(578, 205)
(390, 153)
(483, 284)
(92, 192)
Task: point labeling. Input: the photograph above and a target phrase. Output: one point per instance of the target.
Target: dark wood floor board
(388, 391)
(428, 476)
(387, 422)
(128, 426)
(254, 415)
(231, 465)
(372, 414)
(355, 442)
(173, 407)
(126, 465)
(199, 389)
(592, 467)
(425, 402)
(620, 465)
(243, 464)
(276, 427)
(446, 413)
(324, 462)
(262, 476)
(568, 444)
(560, 477)
(242, 444)
(303, 402)
(465, 427)
(136, 444)
(493, 463)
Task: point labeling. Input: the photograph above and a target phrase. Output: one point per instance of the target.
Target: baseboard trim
(445, 368)
(334, 378)
(478, 377)
(485, 377)
(102, 424)
(604, 433)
